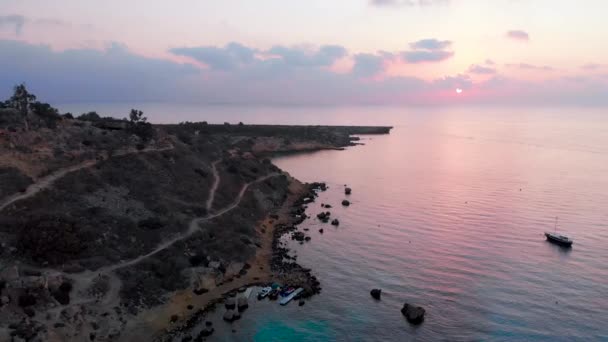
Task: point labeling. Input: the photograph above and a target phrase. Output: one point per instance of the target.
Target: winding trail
(47, 181)
(214, 186)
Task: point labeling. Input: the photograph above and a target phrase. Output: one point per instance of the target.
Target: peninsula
(113, 229)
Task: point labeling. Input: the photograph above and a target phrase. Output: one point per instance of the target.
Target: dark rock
(92, 336)
(206, 332)
(29, 311)
(62, 297)
(200, 291)
(347, 191)
(321, 230)
(346, 203)
(229, 316)
(208, 323)
(242, 304)
(413, 314)
(26, 299)
(174, 318)
(230, 303)
(308, 238)
(187, 338)
(190, 307)
(376, 293)
(335, 222)
(301, 302)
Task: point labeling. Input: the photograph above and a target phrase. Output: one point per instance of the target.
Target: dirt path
(47, 181)
(214, 186)
(148, 325)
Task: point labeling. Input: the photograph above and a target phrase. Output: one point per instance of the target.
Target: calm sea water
(448, 213)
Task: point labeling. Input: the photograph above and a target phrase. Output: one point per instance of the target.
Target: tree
(139, 125)
(21, 101)
(137, 116)
(90, 116)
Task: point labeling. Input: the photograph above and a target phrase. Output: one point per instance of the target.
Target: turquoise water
(448, 213)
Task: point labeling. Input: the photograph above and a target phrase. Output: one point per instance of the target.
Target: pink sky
(315, 52)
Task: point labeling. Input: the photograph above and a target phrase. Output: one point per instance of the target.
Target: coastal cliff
(113, 229)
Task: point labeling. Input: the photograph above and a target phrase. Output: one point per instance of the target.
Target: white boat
(288, 299)
(264, 292)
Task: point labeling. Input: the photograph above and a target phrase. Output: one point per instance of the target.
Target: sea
(448, 212)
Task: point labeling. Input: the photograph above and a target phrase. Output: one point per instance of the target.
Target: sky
(313, 52)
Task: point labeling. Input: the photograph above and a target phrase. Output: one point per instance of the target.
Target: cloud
(229, 57)
(408, 3)
(421, 56)
(367, 64)
(428, 50)
(518, 35)
(481, 70)
(117, 74)
(431, 44)
(453, 82)
(526, 66)
(77, 75)
(490, 62)
(15, 21)
(294, 56)
(592, 66)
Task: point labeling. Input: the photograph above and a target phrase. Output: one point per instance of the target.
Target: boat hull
(558, 241)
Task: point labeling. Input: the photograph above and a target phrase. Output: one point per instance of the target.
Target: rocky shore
(112, 234)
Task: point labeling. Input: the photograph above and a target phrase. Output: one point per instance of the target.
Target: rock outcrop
(413, 314)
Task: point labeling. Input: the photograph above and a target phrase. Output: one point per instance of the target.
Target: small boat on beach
(288, 299)
(273, 295)
(559, 239)
(264, 292)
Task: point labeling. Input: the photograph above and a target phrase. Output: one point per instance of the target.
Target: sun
(458, 90)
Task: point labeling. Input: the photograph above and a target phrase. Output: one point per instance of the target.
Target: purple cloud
(421, 56)
(431, 44)
(294, 56)
(428, 50)
(481, 70)
(526, 66)
(15, 21)
(229, 57)
(518, 35)
(368, 65)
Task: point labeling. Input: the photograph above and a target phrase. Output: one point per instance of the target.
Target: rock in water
(301, 302)
(345, 203)
(335, 222)
(413, 314)
(347, 191)
(376, 293)
(206, 332)
(242, 304)
(229, 316)
(230, 303)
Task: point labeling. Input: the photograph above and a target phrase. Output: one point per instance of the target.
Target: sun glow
(458, 90)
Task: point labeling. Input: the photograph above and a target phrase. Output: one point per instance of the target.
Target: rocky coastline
(112, 234)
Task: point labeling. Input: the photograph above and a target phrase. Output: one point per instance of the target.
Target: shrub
(90, 116)
(50, 238)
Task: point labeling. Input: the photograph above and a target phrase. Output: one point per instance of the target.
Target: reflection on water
(448, 212)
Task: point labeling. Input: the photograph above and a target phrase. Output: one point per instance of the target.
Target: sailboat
(557, 238)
